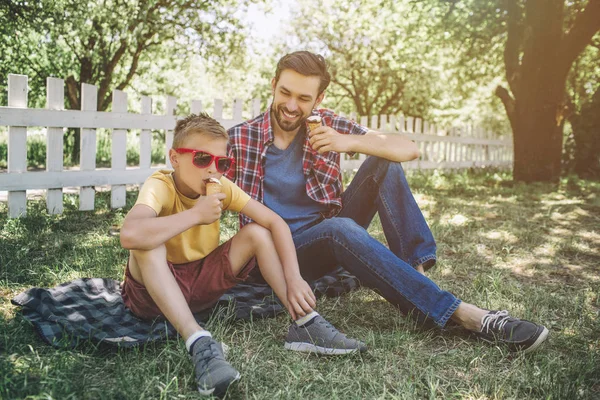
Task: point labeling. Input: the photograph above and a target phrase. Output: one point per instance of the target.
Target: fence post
(87, 154)
(238, 104)
(17, 144)
(364, 120)
(255, 107)
(418, 125)
(196, 107)
(374, 122)
(146, 136)
(55, 100)
(119, 150)
(392, 123)
(410, 124)
(170, 110)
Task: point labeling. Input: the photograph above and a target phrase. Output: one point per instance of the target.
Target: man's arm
(392, 147)
(144, 230)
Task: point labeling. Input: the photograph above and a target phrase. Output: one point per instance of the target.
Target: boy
(176, 266)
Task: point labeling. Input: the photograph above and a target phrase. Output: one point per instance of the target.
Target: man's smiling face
(294, 97)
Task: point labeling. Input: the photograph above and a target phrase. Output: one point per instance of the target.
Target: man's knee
(381, 166)
(390, 166)
(345, 229)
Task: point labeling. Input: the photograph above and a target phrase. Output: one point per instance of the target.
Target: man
(298, 176)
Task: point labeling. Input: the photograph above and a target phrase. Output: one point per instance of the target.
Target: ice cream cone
(213, 186)
(313, 122)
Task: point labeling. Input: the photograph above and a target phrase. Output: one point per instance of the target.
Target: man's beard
(286, 125)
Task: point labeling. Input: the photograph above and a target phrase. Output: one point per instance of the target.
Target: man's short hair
(197, 124)
(307, 64)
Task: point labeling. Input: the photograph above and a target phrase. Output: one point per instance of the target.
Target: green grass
(533, 249)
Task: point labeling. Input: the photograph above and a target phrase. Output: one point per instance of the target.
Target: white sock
(195, 336)
(306, 318)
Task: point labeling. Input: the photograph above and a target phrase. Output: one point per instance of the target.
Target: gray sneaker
(518, 334)
(213, 373)
(319, 336)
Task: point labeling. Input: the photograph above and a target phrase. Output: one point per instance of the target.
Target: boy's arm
(144, 230)
(297, 288)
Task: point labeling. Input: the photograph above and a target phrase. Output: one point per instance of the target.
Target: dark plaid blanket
(91, 309)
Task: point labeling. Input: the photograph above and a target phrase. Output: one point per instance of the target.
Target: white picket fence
(438, 150)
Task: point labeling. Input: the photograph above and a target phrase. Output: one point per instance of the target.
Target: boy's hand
(301, 299)
(208, 208)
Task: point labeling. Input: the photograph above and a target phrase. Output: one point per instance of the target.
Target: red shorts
(202, 283)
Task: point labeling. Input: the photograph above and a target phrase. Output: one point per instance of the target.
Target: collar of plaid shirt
(249, 141)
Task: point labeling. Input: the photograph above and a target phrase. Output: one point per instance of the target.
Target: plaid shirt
(248, 144)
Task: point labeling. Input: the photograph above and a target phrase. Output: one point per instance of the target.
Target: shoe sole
(311, 348)
(209, 392)
(538, 341)
(541, 338)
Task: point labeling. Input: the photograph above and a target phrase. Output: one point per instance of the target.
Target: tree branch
(509, 103)
(73, 93)
(353, 95)
(586, 25)
(108, 73)
(142, 45)
(393, 98)
(514, 45)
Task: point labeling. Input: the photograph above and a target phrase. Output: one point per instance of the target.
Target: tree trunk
(537, 131)
(537, 57)
(586, 132)
(537, 80)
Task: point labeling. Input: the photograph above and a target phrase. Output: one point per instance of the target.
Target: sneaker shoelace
(328, 326)
(494, 321)
(207, 354)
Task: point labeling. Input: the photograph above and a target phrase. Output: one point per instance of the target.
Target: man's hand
(325, 138)
(301, 299)
(208, 208)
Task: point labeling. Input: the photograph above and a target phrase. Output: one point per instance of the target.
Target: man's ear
(174, 158)
(273, 85)
(319, 99)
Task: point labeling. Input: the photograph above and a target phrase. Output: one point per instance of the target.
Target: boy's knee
(159, 252)
(257, 234)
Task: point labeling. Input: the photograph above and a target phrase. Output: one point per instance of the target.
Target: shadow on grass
(45, 250)
(540, 234)
(532, 249)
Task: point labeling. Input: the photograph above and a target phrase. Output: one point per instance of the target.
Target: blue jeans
(379, 186)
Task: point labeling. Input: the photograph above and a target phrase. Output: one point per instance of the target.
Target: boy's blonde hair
(197, 124)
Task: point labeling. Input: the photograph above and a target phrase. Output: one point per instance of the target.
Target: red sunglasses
(202, 159)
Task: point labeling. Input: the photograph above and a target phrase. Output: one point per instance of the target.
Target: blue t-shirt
(285, 186)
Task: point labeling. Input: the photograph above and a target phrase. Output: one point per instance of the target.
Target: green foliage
(541, 41)
(529, 248)
(581, 151)
(108, 43)
(377, 68)
(407, 62)
(586, 138)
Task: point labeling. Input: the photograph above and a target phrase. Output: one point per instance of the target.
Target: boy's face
(189, 178)
(294, 97)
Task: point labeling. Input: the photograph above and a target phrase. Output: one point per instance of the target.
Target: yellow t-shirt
(160, 193)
